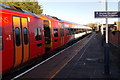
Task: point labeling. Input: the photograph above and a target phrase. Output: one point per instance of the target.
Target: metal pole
(106, 54)
(102, 7)
(106, 25)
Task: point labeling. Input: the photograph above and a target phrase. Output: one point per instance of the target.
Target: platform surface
(89, 63)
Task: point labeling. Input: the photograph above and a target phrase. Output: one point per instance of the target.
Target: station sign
(107, 14)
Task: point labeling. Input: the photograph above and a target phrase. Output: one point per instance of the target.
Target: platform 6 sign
(107, 14)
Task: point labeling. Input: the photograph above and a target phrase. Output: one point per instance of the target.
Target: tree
(33, 7)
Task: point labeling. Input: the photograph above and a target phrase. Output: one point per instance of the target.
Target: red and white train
(25, 36)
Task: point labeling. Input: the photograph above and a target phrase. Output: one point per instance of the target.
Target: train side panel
(7, 40)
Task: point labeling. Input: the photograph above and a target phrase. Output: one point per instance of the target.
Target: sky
(77, 11)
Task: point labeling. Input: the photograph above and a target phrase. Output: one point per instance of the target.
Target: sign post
(107, 14)
(106, 53)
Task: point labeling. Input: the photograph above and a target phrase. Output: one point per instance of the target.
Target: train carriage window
(68, 32)
(0, 38)
(38, 35)
(25, 31)
(72, 31)
(17, 36)
(55, 31)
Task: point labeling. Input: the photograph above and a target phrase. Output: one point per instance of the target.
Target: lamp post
(106, 53)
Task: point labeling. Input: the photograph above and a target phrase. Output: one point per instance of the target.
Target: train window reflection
(0, 38)
(25, 35)
(55, 32)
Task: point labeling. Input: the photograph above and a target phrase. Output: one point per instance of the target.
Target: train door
(25, 39)
(47, 34)
(61, 34)
(21, 43)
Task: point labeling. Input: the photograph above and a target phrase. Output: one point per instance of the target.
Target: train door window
(25, 32)
(46, 29)
(17, 36)
(0, 37)
(37, 33)
(55, 31)
(47, 32)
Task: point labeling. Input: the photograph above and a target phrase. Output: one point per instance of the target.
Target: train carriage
(51, 27)
(21, 37)
(55, 33)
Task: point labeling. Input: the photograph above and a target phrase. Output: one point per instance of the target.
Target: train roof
(55, 18)
(70, 22)
(51, 17)
(14, 8)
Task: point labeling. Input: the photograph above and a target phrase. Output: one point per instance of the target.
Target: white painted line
(84, 52)
(86, 48)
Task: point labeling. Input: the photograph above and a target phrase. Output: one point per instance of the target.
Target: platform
(85, 59)
(89, 63)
